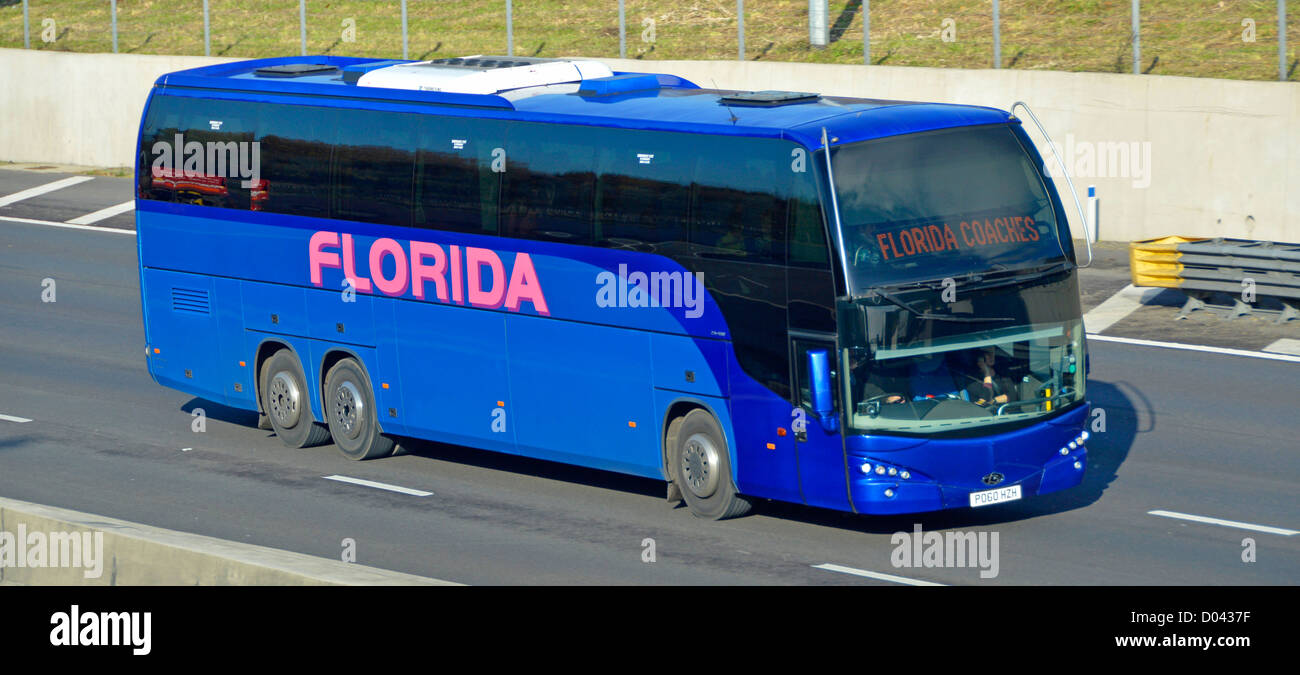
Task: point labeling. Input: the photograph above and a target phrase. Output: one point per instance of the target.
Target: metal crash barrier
(1241, 269)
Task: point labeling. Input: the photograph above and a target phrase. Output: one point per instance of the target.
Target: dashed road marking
(1226, 523)
(380, 486)
(43, 189)
(880, 576)
(11, 418)
(103, 213)
(1194, 348)
(1128, 300)
(1285, 346)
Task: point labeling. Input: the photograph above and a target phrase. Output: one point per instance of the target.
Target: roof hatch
(295, 70)
(768, 98)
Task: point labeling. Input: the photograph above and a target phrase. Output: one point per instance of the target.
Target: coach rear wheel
(350, 410)
(701, 467)
(285, 402)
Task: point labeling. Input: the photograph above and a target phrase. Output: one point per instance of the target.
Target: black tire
(350, 411)
(700, 465)
(674, 495)
(286, 402)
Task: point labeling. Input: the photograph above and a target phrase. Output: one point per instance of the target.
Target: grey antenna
(723, 101)
(1056, 152)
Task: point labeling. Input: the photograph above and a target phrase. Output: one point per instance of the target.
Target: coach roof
(627, 100)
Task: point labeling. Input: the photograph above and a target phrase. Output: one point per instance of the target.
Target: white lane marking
(881, 576)
(42, 189)
(1128, 300)
(1226, 523)
(381, 486)
(11, 418)
(1194, 348)
(71, 226)
(103, 213)
(1285, 346)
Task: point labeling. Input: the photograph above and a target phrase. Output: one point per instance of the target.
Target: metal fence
(1233, 38)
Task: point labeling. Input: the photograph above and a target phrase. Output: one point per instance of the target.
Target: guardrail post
(406, 43)
(1093, 226)
(1281, 40)
(27, 32)
(112, 8)
(510, 29)
(740, 29)
(302, 25)
(207, 30)
(1137, 37)
(997, 35)
(622, 31)
(866, 32)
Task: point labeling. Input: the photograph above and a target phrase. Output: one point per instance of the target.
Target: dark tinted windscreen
(924, 206)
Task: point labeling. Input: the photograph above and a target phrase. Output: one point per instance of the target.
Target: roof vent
(483, 74)
(769, 98)
(295, 70)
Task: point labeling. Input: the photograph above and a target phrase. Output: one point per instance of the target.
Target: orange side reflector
(780, 431)
(631, 424)
(384, 385)
(241, 364)
(771, 446)
(501, 404)
(157, 350)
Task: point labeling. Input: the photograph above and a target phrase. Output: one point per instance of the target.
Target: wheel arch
(265, 349)
(680, 407)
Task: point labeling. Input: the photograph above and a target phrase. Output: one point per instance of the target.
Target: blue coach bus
(855, 304)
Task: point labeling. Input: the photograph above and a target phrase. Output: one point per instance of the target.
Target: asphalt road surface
(1209, 435)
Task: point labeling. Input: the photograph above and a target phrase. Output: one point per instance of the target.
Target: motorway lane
(1199, 433)
(67, 203)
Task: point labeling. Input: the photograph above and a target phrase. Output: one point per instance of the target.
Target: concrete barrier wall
(132, 554)
(1169, 155)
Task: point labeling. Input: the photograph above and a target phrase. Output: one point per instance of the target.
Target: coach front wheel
(350, 410)
(701, 467)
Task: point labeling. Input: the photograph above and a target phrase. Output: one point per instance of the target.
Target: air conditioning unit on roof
(483, 74)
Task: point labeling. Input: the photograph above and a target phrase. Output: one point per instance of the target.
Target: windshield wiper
(996, 274)
(1017, 275)
(936, 317)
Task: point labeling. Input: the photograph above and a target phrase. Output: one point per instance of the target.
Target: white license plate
(1007, 494)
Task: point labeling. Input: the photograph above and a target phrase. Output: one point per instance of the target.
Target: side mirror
(819, 386)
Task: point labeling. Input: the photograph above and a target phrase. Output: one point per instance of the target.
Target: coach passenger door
(811, 312)
(818, 440)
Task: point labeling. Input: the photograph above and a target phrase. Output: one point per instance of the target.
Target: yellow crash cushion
(1154, 262)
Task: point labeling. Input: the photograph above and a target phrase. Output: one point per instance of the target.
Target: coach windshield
(942, 204)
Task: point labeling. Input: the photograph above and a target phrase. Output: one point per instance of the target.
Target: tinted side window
(213, 157)
(808, 246)
(643, 191)
(373, 166)
(296, 147)
(548, 188)
(455, 187)
(811, 284)
(742, 186)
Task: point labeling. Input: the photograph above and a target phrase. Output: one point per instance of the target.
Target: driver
(989, 388)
